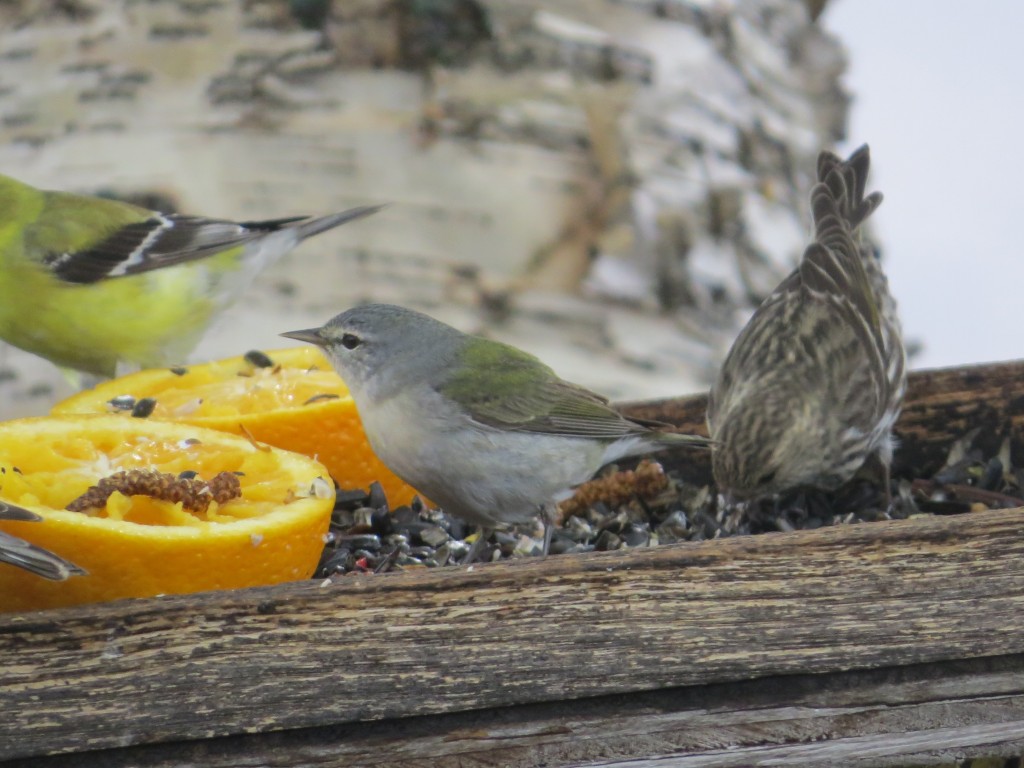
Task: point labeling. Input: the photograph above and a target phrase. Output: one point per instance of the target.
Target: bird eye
(767, 478)
(350, 341)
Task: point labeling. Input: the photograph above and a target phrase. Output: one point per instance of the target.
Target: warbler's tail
(34, 559)
(315, 226)
(679, 439)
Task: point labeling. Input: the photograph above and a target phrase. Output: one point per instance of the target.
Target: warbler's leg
(547, 513)
(478, 545)
(887, 486)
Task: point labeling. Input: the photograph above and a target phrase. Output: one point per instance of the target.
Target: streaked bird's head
(765, 449)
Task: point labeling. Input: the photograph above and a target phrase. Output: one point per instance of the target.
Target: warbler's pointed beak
(312, 335)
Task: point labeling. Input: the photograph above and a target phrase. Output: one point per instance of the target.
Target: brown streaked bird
(814, 382)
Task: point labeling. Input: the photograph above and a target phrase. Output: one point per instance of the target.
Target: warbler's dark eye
(767, 478)
(350, 341)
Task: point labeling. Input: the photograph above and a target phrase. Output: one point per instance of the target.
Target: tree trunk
(611, 185)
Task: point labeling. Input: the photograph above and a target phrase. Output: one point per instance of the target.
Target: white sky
(939, 96)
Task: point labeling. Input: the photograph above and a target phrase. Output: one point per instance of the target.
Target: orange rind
(139, 546)
(289, 398)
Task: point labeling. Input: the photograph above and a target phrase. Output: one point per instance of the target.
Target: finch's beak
(11, 512)
(312, 335)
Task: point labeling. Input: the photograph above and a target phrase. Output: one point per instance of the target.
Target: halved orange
(137, 546)
(297, 402)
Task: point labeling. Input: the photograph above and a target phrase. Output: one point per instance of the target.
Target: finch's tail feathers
(320, 224)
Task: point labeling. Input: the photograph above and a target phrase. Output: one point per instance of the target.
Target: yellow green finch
(91, 283)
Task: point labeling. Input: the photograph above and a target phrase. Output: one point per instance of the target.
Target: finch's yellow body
(90, 283)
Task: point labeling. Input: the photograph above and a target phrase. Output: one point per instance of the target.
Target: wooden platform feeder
(874, 644)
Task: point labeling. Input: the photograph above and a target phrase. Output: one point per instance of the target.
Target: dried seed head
(617, 488)
(194, 493)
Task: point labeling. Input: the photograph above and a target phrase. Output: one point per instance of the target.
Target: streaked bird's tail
(847, 181)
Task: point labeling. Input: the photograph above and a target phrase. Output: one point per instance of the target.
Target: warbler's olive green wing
(506, 388)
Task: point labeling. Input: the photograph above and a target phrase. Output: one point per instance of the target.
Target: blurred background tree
(610, 184)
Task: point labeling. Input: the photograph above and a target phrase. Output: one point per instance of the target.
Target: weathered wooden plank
(922, 714)
(457, 639)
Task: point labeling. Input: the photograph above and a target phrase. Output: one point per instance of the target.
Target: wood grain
(890, 716)
(507, 633)
(918, 714)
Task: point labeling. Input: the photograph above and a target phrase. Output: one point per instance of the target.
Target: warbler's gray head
(380, 348)
(764, 447)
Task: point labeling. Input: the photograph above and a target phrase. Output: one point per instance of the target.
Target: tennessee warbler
(89, 283)
(37, 560)
(484, 429)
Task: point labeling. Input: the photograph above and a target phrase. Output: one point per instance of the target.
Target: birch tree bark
(611, 184)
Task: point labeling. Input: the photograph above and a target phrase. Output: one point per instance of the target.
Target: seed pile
(647, 506)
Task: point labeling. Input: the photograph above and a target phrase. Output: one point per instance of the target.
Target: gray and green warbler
(484, 429)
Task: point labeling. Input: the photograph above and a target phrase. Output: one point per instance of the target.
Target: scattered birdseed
(258, 359)
(321, 488)
(194, 493)
(255, 443)
(188, 408)
(122, 403)
(321, 397)
(650, 505)
(143, 407)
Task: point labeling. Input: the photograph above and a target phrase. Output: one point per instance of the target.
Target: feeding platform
(888, 643)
